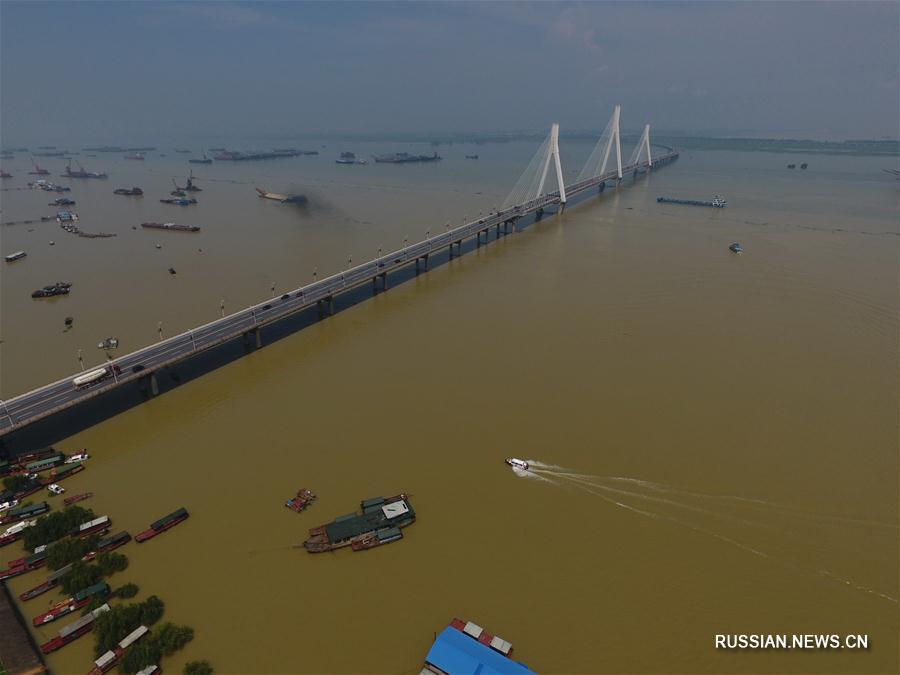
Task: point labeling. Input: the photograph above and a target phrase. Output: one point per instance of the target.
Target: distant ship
(134, 155)
(38, 170)
(404, 158)
(205, 160)
(81, 173)
(284, 199)
(349, 158)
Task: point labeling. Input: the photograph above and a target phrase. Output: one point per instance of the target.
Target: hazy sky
(128, 72)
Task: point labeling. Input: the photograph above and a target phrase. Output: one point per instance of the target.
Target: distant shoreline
(883, 148)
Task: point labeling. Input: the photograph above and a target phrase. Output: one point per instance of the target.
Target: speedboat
(55, 489)
(736, 248)
(77, 457)
(517, 463)
(8, 505)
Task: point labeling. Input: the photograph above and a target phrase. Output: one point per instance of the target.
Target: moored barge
(70, 604)
(52, 581)
(108, 659)
(74, 630)
(24, 512)
(163, 524)
(717, 202)
(378, 522)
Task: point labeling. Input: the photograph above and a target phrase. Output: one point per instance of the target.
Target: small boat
(804, 165)
(179, 202)
(132, 192)
(792, 166)
(68, 501)
(471, 156)
(15, 256)
(55, 489)
(4, 174)
(736, 248)
(517, 463)
(62, 201)
(135, 155)
(77, 457)
(302, 499)
(108, 343)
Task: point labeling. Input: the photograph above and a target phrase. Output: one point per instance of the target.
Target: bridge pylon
(643, 146)
(599, 157)
(530, 185)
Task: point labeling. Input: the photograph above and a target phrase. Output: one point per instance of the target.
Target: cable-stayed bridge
(529, 198)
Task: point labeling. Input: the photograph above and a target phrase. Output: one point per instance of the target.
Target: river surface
(714, 436)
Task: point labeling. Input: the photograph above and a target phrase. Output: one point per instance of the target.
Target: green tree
(126, 591)
(197, 668)
(55, 526)
(70, 550)
(80, 576)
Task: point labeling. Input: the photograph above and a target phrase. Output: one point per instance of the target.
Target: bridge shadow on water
(70, 421)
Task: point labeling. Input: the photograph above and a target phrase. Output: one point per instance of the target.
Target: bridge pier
(458, 245)
(384, 284)
(152, 385)
(602, 186)
(325, 306)
(538, 214)
(424, 259)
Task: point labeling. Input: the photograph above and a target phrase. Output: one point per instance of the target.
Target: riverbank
(18, 653)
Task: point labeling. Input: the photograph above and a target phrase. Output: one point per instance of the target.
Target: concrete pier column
(258, 335)
(330, 300)
(539, 214)
(320, 308)
(154, 385)
(384, 281)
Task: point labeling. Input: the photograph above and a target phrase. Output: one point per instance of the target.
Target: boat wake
(706, 514)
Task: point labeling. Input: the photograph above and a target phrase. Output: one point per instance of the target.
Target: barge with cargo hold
(163, 524)
(70, 604)
(717, 202)
(378, 522)
(74, 630)
(171, 226)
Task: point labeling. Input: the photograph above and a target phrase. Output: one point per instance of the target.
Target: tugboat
(302, 499)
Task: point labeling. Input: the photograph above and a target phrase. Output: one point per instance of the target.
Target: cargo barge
(378, 522)
(405, 158)
(109, 659)
(68, 501)
(163, 524)
(24, 512)
(24, 565)
(69, 605)
(717, 202)
(171, 226)
(73, 631)
(14, 533)
(52, 581)
(106, 544)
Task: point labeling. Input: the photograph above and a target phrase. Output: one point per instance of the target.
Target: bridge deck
(52, 398)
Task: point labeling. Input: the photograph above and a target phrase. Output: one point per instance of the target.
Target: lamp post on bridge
(80, 360)
(273, 290)
(222, 307)
(159, 330)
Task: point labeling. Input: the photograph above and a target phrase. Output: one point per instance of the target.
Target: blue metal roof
(455, 652)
